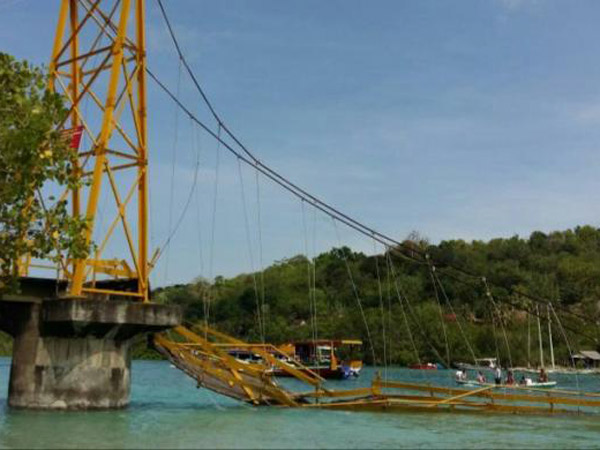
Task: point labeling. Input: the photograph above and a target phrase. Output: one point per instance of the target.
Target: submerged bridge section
(203, 356)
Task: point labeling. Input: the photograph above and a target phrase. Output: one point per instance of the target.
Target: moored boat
(528, 383)
(328, 358)
(480, 364)
(560, 370)
(426, 366)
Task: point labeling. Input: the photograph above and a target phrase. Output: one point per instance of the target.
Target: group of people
(461, 376)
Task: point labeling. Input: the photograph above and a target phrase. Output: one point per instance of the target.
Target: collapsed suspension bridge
(97, 61)
(203, 356)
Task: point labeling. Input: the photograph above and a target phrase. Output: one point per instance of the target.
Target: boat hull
(562, 370)
(546, 385)
(466, 366)
(428, 366)
(324, 372)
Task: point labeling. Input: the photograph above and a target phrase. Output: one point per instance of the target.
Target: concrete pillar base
(75, 354)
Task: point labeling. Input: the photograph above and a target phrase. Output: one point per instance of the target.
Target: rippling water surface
(167, 411)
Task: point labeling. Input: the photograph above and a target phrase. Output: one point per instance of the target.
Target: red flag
(74, 135)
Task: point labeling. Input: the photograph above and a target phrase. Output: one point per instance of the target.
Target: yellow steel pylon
(99, 61)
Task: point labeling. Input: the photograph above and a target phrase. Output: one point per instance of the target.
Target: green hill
(410, 309)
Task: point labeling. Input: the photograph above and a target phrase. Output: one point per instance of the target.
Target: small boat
(529, 384)
(329, 358)
(480, 364)
(426, 366)
(561, 370)
(246, 356)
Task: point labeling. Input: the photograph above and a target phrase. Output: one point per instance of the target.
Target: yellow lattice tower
(99, 61)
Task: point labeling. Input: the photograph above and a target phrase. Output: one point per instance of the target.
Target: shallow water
(167, 411)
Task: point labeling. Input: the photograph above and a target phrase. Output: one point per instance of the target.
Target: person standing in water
(498, 375)
(510, 379)
(480, 377)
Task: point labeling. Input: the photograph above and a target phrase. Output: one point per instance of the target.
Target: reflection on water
(167, 411)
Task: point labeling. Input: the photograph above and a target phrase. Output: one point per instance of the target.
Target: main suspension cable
(248, 157)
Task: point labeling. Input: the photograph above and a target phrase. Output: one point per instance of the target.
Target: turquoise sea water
(167, 411)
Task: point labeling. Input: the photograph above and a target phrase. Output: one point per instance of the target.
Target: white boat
(529, 384)
(480, 364)
(557, 369)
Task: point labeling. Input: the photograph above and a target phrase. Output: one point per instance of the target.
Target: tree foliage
(32, 153)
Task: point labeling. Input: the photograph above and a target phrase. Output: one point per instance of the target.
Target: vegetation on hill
(406, 312)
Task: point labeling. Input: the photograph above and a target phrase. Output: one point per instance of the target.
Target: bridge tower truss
(99, 64)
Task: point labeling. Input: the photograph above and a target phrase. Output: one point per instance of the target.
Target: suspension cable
(355, 290)
(569, 348)
(309, 273)
(439, 303)
(382, 310)
(456, 317)
(199, 209)
(495, 306)
(314, 274)
(389, 306)
(184, 210)
(250, 254)
(400, 301)
(493, 316)
(529, 311)
(208, 297)
(402, 295)
(173, 164)
(260, 254)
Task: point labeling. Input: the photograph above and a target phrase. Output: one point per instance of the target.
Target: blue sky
(471, 119)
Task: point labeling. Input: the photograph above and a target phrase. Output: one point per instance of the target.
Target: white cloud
(192, 40)
(588, 113)
(514, 5)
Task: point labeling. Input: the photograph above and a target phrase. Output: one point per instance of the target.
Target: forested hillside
(406, 312)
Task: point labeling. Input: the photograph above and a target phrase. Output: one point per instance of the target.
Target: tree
(33, 152)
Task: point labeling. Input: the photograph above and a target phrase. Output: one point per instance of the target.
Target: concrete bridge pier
(76, 354)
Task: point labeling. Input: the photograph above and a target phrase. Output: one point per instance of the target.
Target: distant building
(589, 358)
